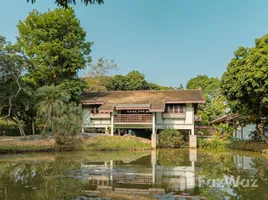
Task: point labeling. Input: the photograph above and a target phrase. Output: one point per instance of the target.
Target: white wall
(176, 123)
(246, 132)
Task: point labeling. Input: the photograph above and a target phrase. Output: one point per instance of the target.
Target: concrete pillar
(192, 130)
(154, 136)
(193, 155)
(153, 161)
(153, 126)
(112, 124)
(192, 141)
(118, 132)
(83, 130)
(154, 140)
(111, 171)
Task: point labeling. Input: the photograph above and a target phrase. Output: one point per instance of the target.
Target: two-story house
(144, 109)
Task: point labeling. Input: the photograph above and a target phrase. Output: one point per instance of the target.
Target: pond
(161, 174)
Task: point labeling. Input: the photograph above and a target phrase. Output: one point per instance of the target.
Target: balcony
(133, 118)
(100, 115)
(174, 115)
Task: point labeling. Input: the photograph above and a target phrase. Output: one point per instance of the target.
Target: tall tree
(99, 74)
(15, 99)
(209, 85)
(50, 98)
(65, 3)
(245, 83)
(136, 81)
(154, 86)
(214, 106)
(55, 46)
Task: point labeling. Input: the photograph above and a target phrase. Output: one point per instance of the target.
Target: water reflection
(161, 174)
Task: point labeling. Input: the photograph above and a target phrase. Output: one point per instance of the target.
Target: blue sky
(170, 41)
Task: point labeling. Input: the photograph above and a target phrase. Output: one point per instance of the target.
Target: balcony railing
(133, 118)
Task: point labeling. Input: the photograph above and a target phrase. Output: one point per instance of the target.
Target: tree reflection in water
(74, 175)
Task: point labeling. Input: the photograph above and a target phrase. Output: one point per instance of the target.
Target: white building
(241, 132)
(144, 109)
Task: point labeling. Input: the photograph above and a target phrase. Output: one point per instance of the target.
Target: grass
(48, 144)
(117, 143)
(257, 146)
(244, 145)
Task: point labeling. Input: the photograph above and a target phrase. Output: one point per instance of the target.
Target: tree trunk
(20, 126)
(261, 133)
(33, 126)
(43, 132)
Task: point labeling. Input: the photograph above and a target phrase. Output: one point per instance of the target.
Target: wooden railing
(133, 118)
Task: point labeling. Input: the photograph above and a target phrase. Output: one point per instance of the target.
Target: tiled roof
(155, 98)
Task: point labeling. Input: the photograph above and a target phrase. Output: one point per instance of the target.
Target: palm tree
(49, 100)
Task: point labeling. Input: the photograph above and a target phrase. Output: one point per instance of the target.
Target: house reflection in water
(143, 175)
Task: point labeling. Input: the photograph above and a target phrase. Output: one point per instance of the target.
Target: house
(144, 109)
(240, 132)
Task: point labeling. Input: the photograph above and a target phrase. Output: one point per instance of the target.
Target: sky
(169, 41)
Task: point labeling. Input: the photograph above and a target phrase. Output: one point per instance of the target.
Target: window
(174, 108)
(94, 109)
(181, 109)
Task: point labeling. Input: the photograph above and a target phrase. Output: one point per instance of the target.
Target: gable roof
(156, 99)
(225, 118)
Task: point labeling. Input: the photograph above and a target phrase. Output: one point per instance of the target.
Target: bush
(170, 138)
(213, 144)
(67, 124)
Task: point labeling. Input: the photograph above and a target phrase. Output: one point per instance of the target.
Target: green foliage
(208, 85)
(214, 106)
(67, 123)
(213, 144)
(225, 130)
(60, 116)
(65, 3)
(117, 143)
(257, 146)
(99, 75)
(50, 100)
(134, 80)
(176, 157)
(55, 46)
(153, 86)
(170, 138)
(117, 82)
(245, 83)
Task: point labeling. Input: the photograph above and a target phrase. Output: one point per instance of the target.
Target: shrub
(67, 124)
(213, 144)
(170, 138)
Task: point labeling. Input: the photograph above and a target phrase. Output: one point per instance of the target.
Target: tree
(214, 106)
(245, 83)
(49, 101)
(180, 87)
(65, 3)
(99, 74)
(154, 86)
(117, 82)
(134, 80)
(15, 99)
(55, 46)
(209, 86)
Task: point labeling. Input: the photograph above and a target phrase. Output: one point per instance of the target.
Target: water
(162, 174)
